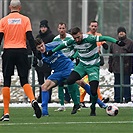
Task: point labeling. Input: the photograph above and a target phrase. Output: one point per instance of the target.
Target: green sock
(78, 94)
(94, 100)
(61, 94)
(74, 92)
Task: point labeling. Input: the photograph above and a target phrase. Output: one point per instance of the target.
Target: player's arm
(1, 37)
(59, 47)
(110, 39)
(63, 45)
(30, 38)
(75, 55)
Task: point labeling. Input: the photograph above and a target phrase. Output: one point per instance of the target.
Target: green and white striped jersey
(68, 51)
(87, 49)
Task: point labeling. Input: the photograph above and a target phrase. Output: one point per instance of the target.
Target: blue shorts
(60, 76)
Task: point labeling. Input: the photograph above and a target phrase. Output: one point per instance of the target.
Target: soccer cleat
(37, 109)
(5, 117)
(103, 106)
(75, 109)
(39, 99)
(45, 115)
(82, 104)
(93, 111)
(60, 109)
(105, 100)
(44, 112)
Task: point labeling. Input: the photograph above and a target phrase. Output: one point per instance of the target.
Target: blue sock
(87, 89)
(45, 98)
(100, 103)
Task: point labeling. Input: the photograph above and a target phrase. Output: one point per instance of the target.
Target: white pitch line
(130, 104)
(58, 123)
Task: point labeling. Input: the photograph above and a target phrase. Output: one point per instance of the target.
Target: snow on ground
(106, 78)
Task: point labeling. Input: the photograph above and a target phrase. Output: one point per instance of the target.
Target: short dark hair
(94, 21)
(61, 23)
(38, 41)
(75, 30)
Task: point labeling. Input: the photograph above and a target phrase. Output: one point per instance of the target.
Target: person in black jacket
(114, 66)
(43, 72)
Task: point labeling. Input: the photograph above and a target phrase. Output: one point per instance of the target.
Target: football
(112, 110)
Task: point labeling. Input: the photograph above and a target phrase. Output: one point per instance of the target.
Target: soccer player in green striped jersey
(89, 60)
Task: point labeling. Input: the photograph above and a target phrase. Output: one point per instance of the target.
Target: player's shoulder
(69, 35)
(56, 38)
(89, 37)
(53, 43)
(98, 34)
(24, 17)
(85, 35)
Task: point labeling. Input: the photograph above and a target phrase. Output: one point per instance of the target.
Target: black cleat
(39, 99)
(75, 108)
(82, 104)
(37, 109)
(5, 117)
(105, 100)
(93, 109)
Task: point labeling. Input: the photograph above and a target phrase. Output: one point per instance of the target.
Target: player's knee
(44, 88)
(74, 76)
(94, 93)
(7, 81)
(94, 86)
(70, 81)
(23, 81)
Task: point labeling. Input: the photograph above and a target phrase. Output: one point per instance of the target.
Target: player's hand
(105, 46)
(120, 43)
(48, 53)
(38, 55)
(71, 58)
(40, 63)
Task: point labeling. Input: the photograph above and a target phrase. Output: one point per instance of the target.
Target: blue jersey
(58, 61)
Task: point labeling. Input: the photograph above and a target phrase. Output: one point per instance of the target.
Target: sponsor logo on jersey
(14, 21)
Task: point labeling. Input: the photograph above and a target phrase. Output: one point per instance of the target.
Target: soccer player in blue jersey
(62, 67)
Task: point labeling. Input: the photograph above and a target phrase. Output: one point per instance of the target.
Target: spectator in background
(93, 31)
(43, 72)
(114, 65)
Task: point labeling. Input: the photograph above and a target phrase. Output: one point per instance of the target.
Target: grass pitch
(23, 121)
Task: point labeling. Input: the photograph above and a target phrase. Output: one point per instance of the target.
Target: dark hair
(61, 23)
(75, 30)
(94, 21)
(38, 41)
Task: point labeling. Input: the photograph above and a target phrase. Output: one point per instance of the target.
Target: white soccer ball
(112, 110)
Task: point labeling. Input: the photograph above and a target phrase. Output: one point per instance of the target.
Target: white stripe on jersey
(97, 39)
(92, 62)
(89, 54)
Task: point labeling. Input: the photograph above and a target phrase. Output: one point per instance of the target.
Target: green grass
(22, 121)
